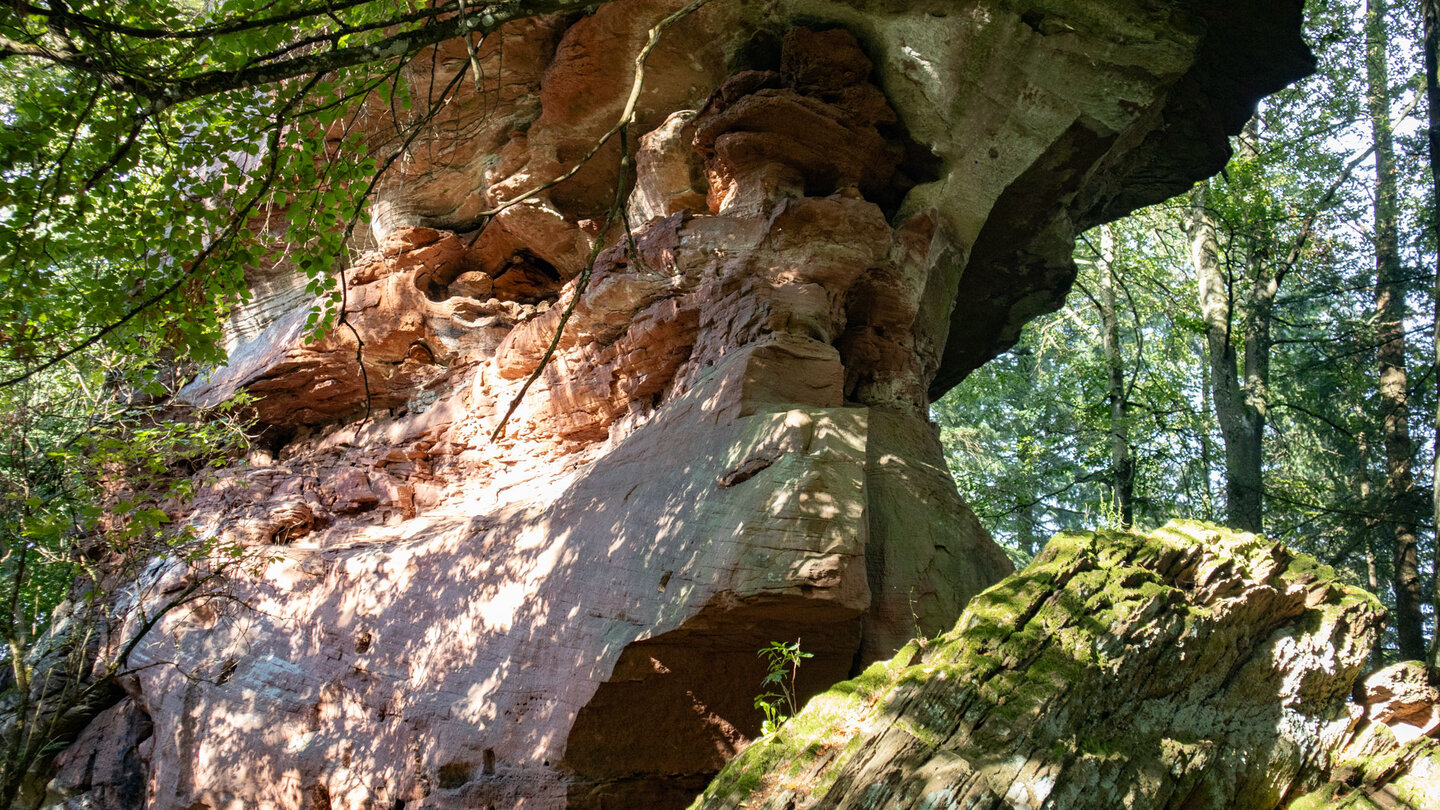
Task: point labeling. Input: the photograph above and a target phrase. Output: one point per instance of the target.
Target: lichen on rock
(1190, 667)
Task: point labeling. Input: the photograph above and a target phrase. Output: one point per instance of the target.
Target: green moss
(1106, 747)
(1334, 797)
(1352, 597)
(1304, 564)
(807, 736)
(1030, 642)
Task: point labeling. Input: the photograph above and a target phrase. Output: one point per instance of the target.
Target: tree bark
(1430, 14)
(1206, 454)
(1238, 408)
(113, 68)
(1122, 467)
(1390, 312)
(1368, 530)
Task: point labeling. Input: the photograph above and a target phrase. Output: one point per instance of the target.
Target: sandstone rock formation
(840, 210)
(1391, 758)
(1192, 668)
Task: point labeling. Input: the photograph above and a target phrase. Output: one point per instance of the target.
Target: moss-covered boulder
(1191, 667)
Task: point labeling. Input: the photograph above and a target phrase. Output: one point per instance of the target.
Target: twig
(236, 222)
(581, 283)
(617, 208)
(626, 117)
(344, 317)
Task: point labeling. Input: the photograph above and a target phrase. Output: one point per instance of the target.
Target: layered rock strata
(1390, 758)
(1190, 668)
(840, 209)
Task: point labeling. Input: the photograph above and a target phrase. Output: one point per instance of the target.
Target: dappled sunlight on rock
(1189, 667)
(730, 443)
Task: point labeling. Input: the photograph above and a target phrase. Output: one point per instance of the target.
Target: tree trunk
(1122, 468)
(1241, 416)
(1390, 311)
(1430, 12)
(1258, 320)
(1206, 454)
(1368, 531)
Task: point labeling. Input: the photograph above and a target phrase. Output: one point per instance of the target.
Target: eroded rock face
(1391, 757)
(729, 445)
(1188, 668)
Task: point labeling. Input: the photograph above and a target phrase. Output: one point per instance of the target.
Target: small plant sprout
(782, 664)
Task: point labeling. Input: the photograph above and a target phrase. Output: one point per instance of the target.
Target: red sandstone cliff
(839, 210)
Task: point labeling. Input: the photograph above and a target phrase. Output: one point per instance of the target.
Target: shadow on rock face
(729, 444)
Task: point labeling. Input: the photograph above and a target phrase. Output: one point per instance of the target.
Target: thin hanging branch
(162, 93)
(344, 317)
(617, 207)
(627, 117)
(581, 283)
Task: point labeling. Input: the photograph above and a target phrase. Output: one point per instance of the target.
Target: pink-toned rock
(766, 142)
(1405, 697)
(103, 768)
(669, 176)
(729, 445)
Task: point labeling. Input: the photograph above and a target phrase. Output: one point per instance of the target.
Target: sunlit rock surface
(1187, 668)
(841, 209)
(1391, 758)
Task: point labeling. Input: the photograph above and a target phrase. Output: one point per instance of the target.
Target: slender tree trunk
(1390, 310)
(1030, 540)
(1430, 12)
(1368, 531)
(1122, 468)
(1256, 390)
(1239, 411)
(1377, 654)
(1206, 454)
(1258, 317)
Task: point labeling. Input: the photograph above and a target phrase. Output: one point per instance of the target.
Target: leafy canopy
(146, 165)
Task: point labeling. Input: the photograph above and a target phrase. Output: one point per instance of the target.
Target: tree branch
(400, 45)
(236, 222)
(616, 208)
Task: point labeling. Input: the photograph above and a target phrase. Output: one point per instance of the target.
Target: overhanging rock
(840, 210)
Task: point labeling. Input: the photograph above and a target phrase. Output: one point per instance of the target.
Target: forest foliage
(1068, 430)
(150, 152)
